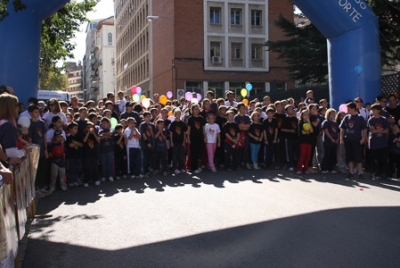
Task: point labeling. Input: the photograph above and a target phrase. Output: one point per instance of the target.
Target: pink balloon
(198, 97)
(188, 96)
(133, 90)
(343, 108)
(169, 94)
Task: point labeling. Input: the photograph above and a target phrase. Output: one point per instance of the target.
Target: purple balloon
(169, 94)
(138, 90)
(198, 97)
(188, 96)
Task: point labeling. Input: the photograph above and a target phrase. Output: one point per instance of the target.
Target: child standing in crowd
(330, 140)
(212, 140)
(91, 143)
(255, 138)
(160, 147)
(306, 141)
(120, 153)
(394, 150)
(289, 133)
(378, 128)
(353, 133)
(280, 116)
(243, 121)
(231, 130)
(106, 150)
(74, 147)
(177, 136)
(221, 120)
(57, 156)
(195, 130)
(270, 126)
(132, 136)
(341, 156)
(37, 135)
(147, 130)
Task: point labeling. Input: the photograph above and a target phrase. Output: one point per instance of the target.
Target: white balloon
(194, 101)
(146, 103)
(24, 122)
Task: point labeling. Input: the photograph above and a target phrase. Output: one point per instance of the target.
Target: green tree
(57, 30)
(304, 48)
(53, 80)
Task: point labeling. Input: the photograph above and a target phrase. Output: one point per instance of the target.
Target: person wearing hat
(129, 112)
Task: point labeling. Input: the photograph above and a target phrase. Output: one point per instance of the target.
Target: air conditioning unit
(216, 60)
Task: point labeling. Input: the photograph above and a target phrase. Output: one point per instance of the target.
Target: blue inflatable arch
(350, 27)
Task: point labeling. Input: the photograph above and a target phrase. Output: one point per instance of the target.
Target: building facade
(199, 45)
(73, 72)
(100, 59)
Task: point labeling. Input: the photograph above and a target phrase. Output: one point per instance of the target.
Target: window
(256, 51)
(109, 39)
(215, 15)
(215, 49)
(236, 51)
(236, 15)
(256, 18)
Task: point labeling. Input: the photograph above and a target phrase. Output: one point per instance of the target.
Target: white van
(45, 95)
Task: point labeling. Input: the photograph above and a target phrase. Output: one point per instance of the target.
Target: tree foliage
(57, 30)
(53, 80)
(304, 49)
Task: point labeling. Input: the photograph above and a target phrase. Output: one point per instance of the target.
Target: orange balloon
(170, 113)
(163, 99)
(245, 102)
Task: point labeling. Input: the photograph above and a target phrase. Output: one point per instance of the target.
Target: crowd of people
(116, 138)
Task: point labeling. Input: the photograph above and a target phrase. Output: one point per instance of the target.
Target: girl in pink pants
(212, 139)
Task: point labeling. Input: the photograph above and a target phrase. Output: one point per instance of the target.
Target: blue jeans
(254, 148)
(107, 164)
(135, 161)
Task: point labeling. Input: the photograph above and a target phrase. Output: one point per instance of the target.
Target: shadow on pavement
(349, 237)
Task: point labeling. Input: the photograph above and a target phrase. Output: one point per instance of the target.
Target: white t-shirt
(212, 132)
(48, 116)
(50, 135)
(131, 143)
(26, 114)
(228, 104)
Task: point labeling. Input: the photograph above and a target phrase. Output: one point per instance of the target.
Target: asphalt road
(227, 219)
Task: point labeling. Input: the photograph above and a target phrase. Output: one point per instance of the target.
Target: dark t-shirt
(353, 126)
(59, 160)
(269, 128)
(196, 128)
(231, 129)
(81, 127)
(317, 129)
(280, 118)
(119, 149)
(304, 138)
(177, 130)
(133, 114)
(106, 145)
(8, 136)
(257, 131)
(160, 145)
(394, 145)
(333, 130)
(76, 152)
(221, 123)
(290, 123)
(377, 140)
(37, 132)
(395, 112)
(145, 128)
(91, 147)
(242, 119)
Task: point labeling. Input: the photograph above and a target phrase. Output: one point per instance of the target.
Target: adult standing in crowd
(361, 110)
(54, 109)
(121, 102)
(392, 108)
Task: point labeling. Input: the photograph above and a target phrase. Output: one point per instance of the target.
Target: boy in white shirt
(132, 136)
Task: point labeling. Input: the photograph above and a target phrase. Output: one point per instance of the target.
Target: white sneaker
(86, 185)
(64, 187)
(118, 178)
(176, 171)
(124, 177)
(213, 170)
(103, 179)
(111, 179)
(132, 177)
(140, 176)
(197, 171)
(256, 167)
(97, 183)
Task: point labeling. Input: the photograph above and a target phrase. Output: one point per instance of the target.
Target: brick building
(166, 45)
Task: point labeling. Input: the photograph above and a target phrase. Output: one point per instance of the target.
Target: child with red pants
(306, 141)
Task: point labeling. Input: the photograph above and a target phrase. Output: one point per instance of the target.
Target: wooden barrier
(16, 201)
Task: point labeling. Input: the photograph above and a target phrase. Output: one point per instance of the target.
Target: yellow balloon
(243, 92)
(306, 126)
(245, 102)
(142, 97)
(163, 99)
